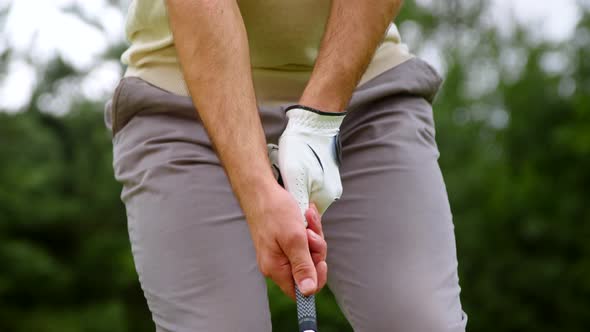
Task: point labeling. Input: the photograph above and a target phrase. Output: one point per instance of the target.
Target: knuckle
(301, 269)
(295, 238)
(317, 258)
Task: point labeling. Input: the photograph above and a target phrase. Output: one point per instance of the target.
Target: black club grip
(306, 313)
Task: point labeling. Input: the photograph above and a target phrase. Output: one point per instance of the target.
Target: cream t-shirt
(284, 38)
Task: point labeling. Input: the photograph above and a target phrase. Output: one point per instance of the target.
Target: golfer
(363, 209)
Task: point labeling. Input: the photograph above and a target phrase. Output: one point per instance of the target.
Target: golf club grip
(306, 314)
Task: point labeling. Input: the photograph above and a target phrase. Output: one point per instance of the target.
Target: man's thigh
(392, 257)
(191, 245)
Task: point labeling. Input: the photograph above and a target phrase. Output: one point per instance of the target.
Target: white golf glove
(309, 156)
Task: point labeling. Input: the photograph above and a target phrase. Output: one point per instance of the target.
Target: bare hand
(285, 250)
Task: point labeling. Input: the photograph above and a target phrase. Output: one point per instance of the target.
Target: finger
(314, 208)
(317, 246)
(284, 279)
(322, 268)
(314, 220)
(302, 267)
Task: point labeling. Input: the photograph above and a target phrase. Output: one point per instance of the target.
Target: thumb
(302, 267)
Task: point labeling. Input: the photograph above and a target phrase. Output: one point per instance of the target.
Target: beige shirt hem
(271, 85)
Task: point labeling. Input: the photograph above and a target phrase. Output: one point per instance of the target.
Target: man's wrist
(313, 121)
(253, 189)
(328, 105)
(254, 182)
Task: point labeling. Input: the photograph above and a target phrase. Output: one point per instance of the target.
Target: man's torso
(284, 38)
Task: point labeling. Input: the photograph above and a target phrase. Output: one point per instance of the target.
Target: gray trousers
(391, 246)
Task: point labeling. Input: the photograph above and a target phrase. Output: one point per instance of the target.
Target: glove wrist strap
(314, 110)
(307, 117)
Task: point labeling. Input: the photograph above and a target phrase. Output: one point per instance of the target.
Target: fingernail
(307, 286)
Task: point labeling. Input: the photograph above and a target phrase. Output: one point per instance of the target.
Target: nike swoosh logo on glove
(316, 157)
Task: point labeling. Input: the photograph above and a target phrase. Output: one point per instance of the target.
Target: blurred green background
(513, 127)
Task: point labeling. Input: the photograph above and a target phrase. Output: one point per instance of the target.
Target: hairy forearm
(212, 47)
(353, 32)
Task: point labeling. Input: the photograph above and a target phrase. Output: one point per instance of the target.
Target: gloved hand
(309, 157)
